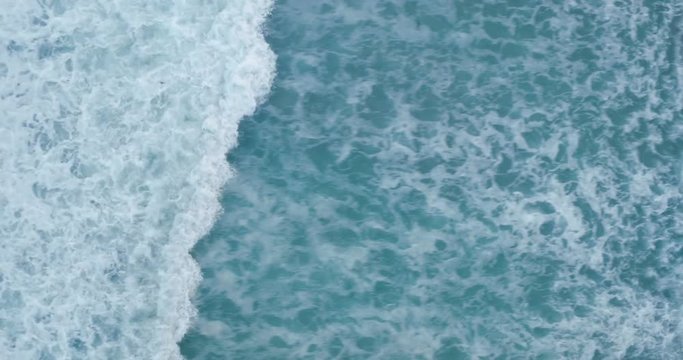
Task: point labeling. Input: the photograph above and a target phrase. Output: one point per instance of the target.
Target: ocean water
(455, 180)
(116, 116)
(412, 180)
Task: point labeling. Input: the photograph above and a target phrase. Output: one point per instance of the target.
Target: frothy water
(446, 179)
(455, 180)
(116, 119)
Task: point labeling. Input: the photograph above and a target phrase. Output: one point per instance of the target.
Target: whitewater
(117, 116)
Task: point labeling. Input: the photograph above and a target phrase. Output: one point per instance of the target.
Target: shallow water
(455, 180)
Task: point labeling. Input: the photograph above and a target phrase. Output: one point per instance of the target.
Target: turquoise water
(412, 180)
(455, 180)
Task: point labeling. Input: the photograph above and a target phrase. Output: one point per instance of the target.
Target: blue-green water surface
(455, 180)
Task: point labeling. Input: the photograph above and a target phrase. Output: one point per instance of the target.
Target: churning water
(444, 179)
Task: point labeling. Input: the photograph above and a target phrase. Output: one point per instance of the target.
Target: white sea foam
(117, 118)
